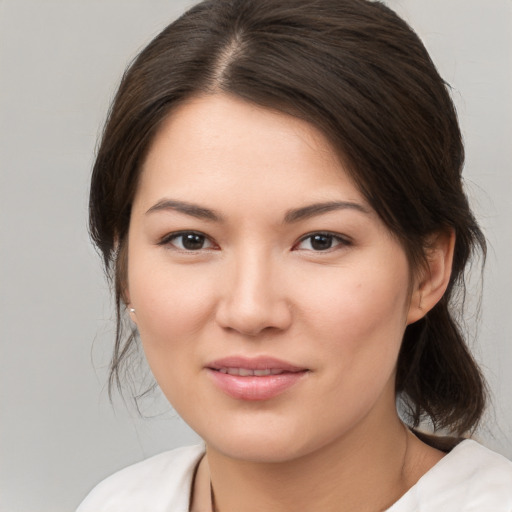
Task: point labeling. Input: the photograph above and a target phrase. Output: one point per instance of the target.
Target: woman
(278, 196)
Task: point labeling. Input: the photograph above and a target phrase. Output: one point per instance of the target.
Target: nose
(253, 298)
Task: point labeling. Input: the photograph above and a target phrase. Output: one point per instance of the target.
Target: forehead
(219, 146)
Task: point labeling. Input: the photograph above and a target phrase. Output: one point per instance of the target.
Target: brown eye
(321, 242)
(193, 241)
(188, 241)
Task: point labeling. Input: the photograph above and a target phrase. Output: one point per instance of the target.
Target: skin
(257, 286)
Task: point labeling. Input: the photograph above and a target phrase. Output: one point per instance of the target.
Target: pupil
(193, 241)
(321, 242)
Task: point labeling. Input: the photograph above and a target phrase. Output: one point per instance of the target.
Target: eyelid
(166, 240)
(343, 240)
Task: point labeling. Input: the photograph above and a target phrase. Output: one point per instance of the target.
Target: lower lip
(254, 388)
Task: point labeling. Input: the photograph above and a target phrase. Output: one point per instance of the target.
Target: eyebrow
(290, 217)
(187, 208)
(312, 210)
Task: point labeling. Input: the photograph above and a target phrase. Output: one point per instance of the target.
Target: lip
(253, 387)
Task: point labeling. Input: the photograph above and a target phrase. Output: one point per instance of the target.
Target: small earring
(132, 310)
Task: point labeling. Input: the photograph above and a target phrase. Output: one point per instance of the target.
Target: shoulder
(485, 469)
(471, 478)
(160, 483)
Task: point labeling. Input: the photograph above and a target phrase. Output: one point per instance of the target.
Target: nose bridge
(253, 279)
(252, 299)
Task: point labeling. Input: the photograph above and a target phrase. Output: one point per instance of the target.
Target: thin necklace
(212, 498)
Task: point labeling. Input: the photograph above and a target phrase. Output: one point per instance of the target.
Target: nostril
(254, 322)
(253, 303)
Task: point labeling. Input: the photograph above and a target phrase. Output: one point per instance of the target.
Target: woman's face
(270, 298)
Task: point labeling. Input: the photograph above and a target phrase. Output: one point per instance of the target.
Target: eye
(321, 242)
(188, 241)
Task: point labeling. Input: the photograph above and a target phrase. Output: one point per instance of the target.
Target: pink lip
(254, 387)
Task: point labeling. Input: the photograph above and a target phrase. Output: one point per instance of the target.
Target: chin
(270, 443)
(263, 450)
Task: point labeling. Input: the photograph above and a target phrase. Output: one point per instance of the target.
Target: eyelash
(168, 240)
(332, 237)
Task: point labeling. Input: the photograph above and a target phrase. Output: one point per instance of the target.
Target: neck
(336, 477)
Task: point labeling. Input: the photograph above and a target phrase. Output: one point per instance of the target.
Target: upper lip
(254, 363)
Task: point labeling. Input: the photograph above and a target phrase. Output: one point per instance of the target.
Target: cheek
(171, 307)
(359, 318)
(357, 299)
(167, 305)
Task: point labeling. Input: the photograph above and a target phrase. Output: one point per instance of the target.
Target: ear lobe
(432, 282)
(131, 311)
(125, 297)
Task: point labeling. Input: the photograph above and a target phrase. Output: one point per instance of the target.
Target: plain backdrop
(60, 62)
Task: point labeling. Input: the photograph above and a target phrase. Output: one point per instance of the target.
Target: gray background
(60, 62)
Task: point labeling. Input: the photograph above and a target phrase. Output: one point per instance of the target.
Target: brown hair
(357, 72)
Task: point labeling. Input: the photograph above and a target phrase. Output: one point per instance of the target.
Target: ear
(126, 300)
(131, 311)
(122, 277)
(129, 306)
(433, 279)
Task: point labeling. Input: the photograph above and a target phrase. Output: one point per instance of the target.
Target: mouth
(254, 379)
(246, 372)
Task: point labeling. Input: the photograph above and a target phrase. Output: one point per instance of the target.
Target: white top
(470, 478)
